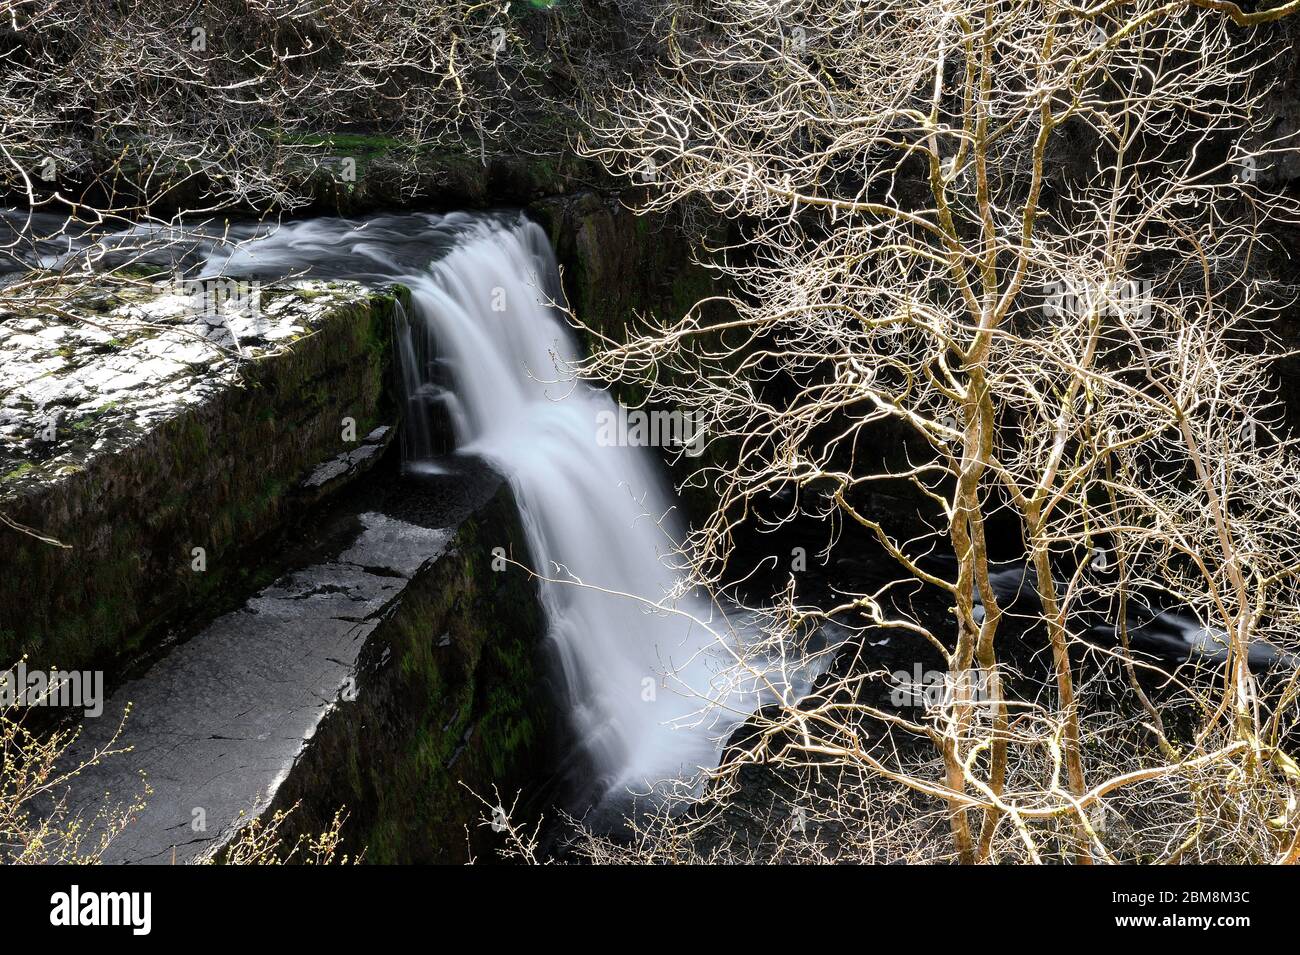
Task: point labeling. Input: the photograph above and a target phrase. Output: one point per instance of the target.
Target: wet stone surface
(93, 380)
(217, 724)
(347, 463)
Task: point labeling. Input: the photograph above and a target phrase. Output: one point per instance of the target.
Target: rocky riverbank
(157, 442)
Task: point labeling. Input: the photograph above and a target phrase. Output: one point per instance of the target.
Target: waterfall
(594, 513)
(486, 344)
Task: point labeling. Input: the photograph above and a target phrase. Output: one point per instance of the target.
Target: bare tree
(116, 109)
(1019, 244)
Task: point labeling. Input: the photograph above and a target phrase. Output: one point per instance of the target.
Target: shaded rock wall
(449, 180)
(452, 699)
(617, 263)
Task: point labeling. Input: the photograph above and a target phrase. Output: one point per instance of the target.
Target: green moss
(19, 471)
(139, 270)
(94, 419)
(351, 144)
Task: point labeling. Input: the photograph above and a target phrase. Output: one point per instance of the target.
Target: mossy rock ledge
(454, 704)
(138, 426)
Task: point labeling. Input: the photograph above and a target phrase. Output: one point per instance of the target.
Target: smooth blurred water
(652, 694)
(599, 515)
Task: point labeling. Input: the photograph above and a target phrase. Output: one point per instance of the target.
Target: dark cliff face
(1278, 260)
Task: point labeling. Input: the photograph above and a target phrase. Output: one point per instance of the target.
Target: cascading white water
(591, 513)
(639, 673)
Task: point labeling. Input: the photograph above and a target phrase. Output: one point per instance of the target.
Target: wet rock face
(452, 698)
(617, 263)
(448, 180)
(391, 659)
(392, 672)
(159, 435)
(215, 727)
(76, 390)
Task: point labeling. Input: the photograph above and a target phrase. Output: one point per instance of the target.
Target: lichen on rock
(113, 365)
(141, 426)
